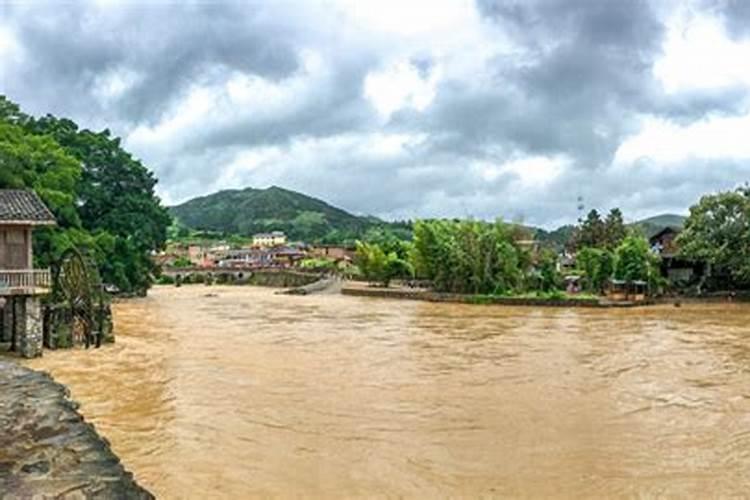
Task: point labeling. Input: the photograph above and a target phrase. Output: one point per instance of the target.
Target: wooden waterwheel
(78, 288)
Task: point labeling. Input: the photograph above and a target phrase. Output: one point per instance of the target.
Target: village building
(272, 239)
(675, 268)
(337, 253)
(22, 286)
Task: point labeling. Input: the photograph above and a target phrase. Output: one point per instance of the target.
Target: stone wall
(47, 450)
(29, 326)
(7, 323)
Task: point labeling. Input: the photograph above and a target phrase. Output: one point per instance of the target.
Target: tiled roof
(23, 207)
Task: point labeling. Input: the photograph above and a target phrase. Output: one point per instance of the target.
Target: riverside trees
(718, 232)
(102, 197)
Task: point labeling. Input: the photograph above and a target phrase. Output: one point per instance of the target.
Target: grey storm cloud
(570, 80)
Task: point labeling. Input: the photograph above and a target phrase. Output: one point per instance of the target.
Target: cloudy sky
(405, 108)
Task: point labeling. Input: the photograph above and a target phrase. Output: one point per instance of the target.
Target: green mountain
(250, 211)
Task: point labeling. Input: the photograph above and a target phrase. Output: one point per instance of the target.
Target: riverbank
(47, 450)
(361, 289)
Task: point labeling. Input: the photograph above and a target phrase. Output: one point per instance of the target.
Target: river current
(235, 392)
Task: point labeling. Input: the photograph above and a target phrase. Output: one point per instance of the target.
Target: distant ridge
(251, 210)
(653, 225)
(664, 220)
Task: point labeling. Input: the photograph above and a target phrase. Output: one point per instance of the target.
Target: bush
(377, 266)
(165, 280)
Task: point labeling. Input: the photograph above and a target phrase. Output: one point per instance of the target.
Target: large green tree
(469, 256)
(595, 232)
(103, 198)
(718, 232)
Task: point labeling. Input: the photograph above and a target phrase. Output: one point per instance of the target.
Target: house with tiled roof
(21, 286)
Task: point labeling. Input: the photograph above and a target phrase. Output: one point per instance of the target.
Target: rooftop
(23, 207)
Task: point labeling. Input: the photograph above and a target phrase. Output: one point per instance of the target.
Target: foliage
(634, 261)
(378, 266)
(593, 232)
(718, 232)
(182, 262)
(102, 197)
(597, 266)
(469, 256)
(548, 277)
(320, 263)
(390, 240)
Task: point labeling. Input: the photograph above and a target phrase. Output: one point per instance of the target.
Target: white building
(272, 239)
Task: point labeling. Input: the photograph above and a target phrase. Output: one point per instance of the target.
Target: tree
(718, 232)
(102, 197)
(597, 265)
(549, 277)
(634, 260)
(469, 256)
(614, 229)
(115, 195)
(378, 266)
(591, 231)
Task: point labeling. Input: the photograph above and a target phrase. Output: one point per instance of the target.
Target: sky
(405, 108)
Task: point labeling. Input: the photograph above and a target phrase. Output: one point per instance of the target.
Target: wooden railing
(24, 279)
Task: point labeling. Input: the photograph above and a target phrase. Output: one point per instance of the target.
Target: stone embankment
(47, 450)
(327, 285)
(363, 290)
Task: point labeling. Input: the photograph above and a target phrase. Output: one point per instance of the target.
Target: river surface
(249, 394)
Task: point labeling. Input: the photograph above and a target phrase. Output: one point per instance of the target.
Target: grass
(552, 295)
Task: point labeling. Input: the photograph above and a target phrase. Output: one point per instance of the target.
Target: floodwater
(249, 394)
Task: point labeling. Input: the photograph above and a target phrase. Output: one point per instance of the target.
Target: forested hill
(250, 210)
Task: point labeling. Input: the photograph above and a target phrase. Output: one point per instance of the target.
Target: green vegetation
(554, 295)
(378, 266)
(718, 232)
(102, 197)
(596, 266)
(593, 232)
(319, 263)
(470, 256)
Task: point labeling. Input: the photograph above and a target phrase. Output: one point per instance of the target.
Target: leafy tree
(635, 262)
(469, 256)
(718, 232)
(549, 277)
(593, 232)
(93, 186)
(378, 266)
(597, 265)
(614, 229)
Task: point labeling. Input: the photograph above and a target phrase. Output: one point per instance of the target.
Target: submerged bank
(47, 450)
(361, 289)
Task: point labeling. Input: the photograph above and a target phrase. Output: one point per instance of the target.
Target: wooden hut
(21, 286)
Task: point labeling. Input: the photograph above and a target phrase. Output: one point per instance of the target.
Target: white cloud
(698, 54)
(665, 142)
(400, 86)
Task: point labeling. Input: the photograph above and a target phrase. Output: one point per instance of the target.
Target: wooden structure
(675, 268)
(630, 291)
(22, 286)
(79, 309)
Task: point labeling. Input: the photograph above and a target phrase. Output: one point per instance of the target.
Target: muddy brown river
(249, 394)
